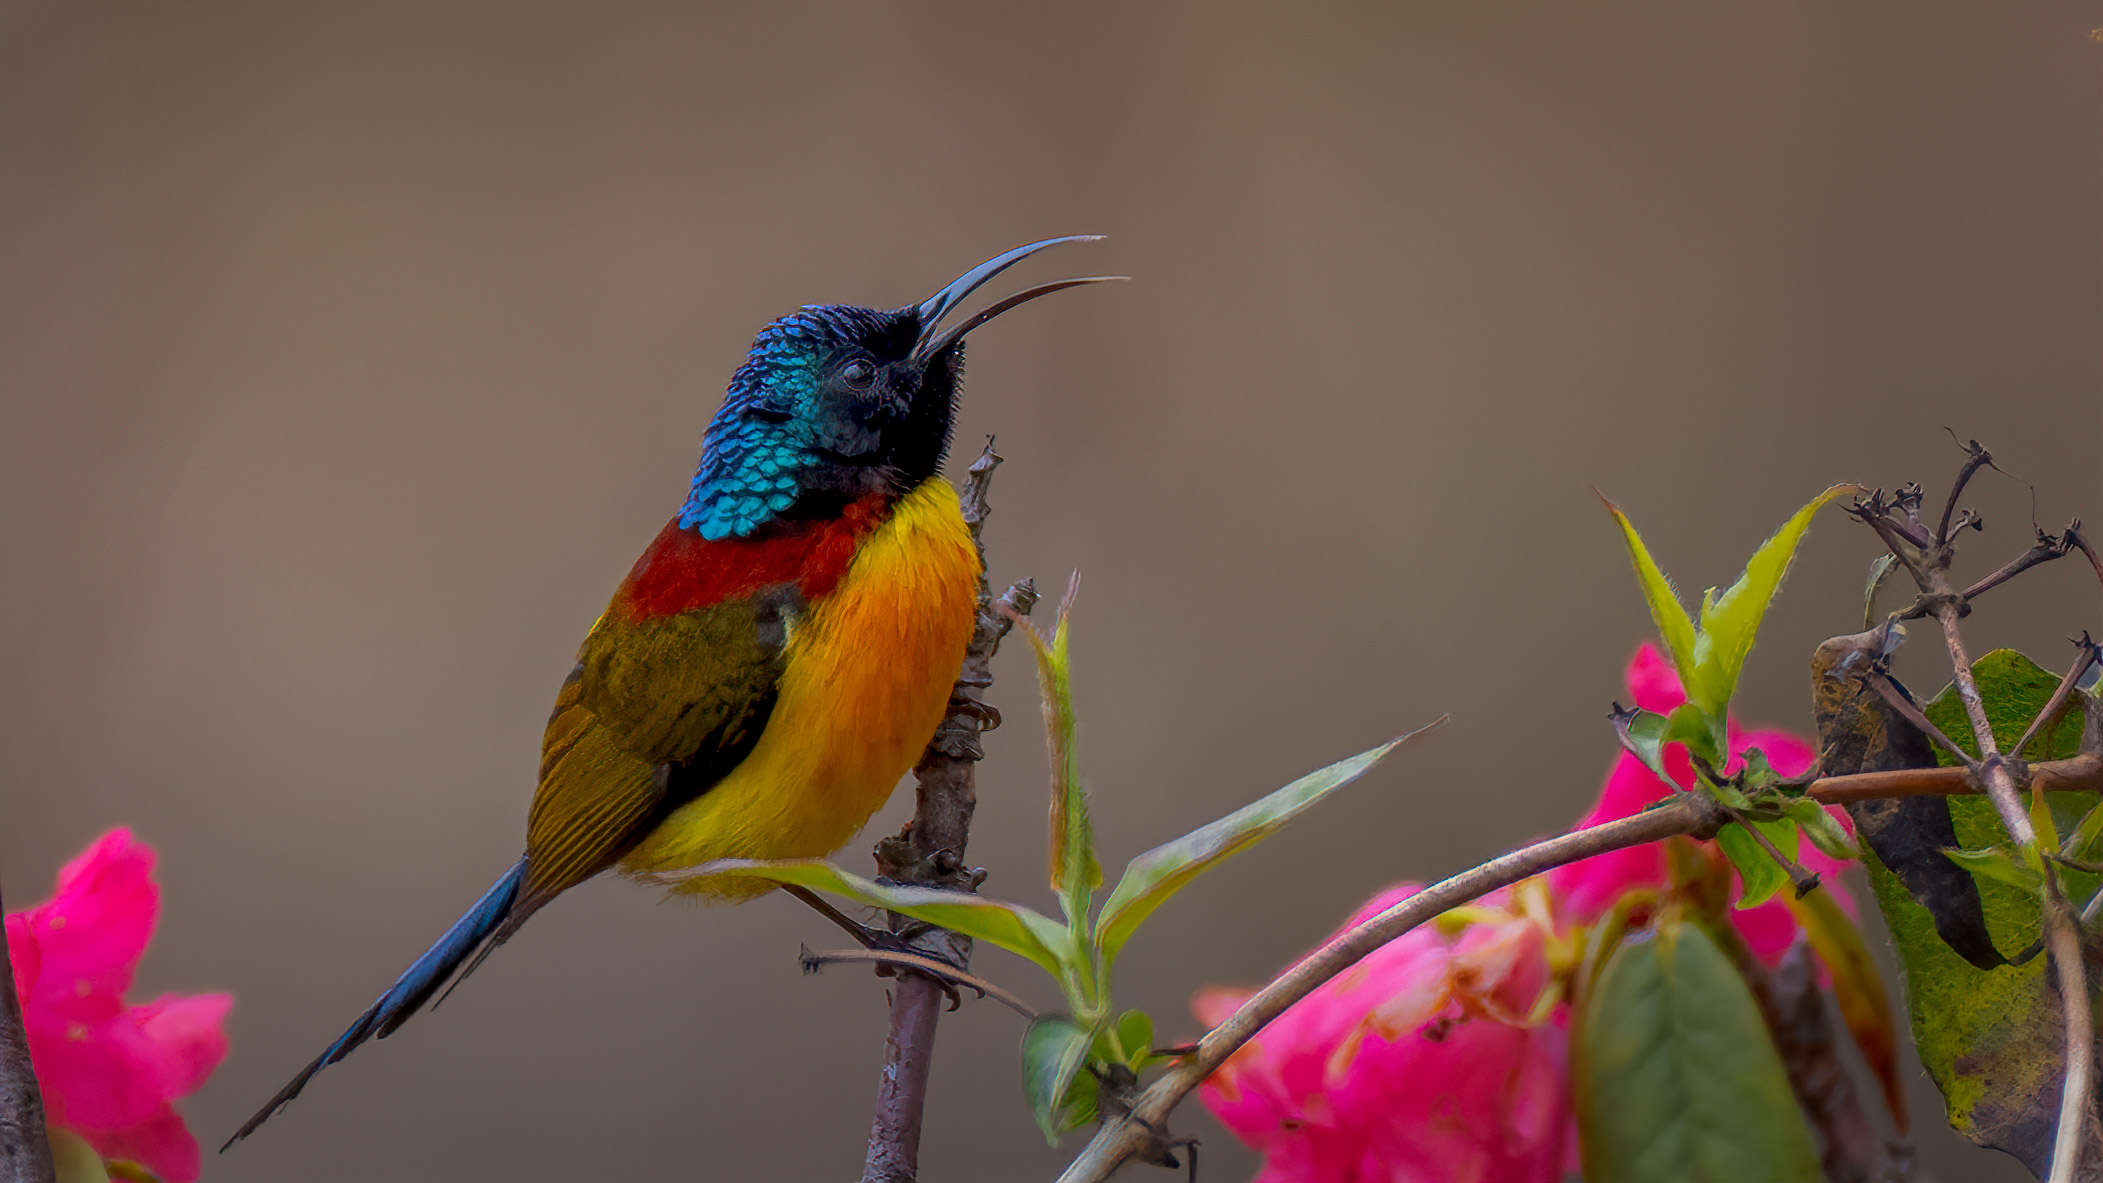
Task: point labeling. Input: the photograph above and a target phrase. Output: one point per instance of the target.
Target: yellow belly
(868, 669)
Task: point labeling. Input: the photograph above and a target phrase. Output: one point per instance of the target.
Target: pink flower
(1586, 890)
(1430, 1060)
(109, 1071)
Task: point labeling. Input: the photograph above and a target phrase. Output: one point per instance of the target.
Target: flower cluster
(110, 1071)
(1442, 1055)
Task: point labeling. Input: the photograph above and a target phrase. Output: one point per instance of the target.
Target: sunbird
(779, 656)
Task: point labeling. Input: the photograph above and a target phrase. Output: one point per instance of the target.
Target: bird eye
(858, 374)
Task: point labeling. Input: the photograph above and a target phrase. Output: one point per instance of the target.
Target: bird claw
(987, 716)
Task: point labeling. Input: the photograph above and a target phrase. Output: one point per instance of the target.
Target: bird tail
(476, 932)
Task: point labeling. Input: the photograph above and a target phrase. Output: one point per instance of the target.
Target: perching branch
(930, 851)
(1138, 1132)
(25, 1147)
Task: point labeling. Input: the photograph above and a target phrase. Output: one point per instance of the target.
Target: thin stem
(2074, 538)
(2059, 696)
(1802, 881)
(1890, 692)
(1976, 459)
(813, 962)
(2044, 552)
(2076, 774)
(25, 1146)
(2062, 937)
(930, 851)
(1141, 1129)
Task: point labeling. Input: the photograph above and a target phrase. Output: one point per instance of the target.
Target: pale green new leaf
(1822, 829)
(1675, 628)
(1730, 621)
(1053, 1050)
(1020, 930)
(1154, 876)
(1075, 874)
(1761, 874)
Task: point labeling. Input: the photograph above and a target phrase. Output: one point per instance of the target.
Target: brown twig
(930, 851)
(2062, 933)
(1139, 1132)
(1976, 458)
(2060, 694)
(813, 962)
(2044, 550)
(1996, 776)
(25, 1146)
(2079, 541)
(1894, 695)
(2075, 774)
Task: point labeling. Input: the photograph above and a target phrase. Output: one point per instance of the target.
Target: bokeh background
(350, 352)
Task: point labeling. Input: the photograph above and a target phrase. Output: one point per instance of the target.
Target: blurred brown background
(349, 353)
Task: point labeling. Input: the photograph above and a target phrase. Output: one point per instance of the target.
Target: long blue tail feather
(468, 935)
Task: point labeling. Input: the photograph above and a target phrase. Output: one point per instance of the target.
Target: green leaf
(1075, 874)
(1154, 876)
(2012, 689)
(1822, 828)
(1053, 1050)
(1759, 871)
(1675, 628)
(1865, 1004)
(73, 1159)
(2086, 833)
(1731, 621)
(1128, 1041)
(1999, 865)
(1020, 930)
(1643, 733)
(1992, 1039)
(1675, 1077)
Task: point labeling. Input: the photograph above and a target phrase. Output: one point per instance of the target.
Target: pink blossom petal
(188, 1035)
(95, 1076)
(162, 1144)
(1652, 681)
(108, 1072)
(1353, 1083)
(96, 927)
(1587, 889)
(1500, 968)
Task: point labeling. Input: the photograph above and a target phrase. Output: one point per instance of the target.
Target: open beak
(934, 339)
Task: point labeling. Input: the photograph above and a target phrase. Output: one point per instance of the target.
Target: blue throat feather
(770, 428)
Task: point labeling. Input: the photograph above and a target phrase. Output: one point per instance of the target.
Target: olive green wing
(655, 713)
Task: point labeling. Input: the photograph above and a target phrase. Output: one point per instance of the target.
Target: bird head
(835, 402)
